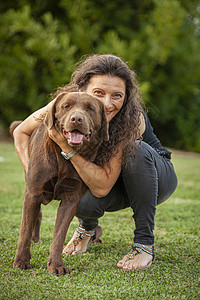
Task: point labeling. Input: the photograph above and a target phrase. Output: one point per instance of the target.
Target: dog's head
(80, 118)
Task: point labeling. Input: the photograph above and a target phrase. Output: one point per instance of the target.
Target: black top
(150, 138)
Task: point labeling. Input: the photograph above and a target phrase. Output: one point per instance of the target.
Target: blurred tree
(41, 40)
(36, 57)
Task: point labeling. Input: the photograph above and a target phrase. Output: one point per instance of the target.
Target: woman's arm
(23, 132)
(99, 180)
(142, 124)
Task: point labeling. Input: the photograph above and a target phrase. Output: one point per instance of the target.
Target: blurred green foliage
(40, 42)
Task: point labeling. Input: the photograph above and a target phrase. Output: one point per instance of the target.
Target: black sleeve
(150, 138)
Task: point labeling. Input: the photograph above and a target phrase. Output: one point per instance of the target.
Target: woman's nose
(107, 101)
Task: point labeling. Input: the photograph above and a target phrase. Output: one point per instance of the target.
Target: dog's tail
(13, 125)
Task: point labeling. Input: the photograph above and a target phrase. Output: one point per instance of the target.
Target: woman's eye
(117, 96)
(98, 92)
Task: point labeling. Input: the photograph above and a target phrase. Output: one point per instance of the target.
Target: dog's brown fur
(50, 176)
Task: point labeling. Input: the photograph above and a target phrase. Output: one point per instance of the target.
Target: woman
(132, 169)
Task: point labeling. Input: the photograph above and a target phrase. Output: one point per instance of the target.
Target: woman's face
(110, 90)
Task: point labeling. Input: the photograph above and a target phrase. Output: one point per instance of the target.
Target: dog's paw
(21, 264)
(58, 270)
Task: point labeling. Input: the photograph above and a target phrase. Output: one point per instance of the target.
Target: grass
(94, 275)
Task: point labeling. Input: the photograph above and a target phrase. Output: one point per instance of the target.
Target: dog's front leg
(31, 208)
(65, 214)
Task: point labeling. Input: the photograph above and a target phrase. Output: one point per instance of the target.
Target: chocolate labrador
(81, 119)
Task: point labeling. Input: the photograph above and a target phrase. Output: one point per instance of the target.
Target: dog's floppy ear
(104, 125)
(49, 119)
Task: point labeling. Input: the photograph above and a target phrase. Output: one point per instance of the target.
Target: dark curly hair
(124, 127)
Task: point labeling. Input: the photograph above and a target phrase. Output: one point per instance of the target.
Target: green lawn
(94, 275)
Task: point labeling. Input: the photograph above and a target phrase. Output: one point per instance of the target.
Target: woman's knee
(89, 206)
(143, 151)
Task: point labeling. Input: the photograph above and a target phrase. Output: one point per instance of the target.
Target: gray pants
(149, 179)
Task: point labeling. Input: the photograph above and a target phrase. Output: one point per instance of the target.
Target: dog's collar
(68, 155)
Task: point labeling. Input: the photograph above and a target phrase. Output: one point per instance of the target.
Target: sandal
(141, 248)
(80, 235)
(138, 249)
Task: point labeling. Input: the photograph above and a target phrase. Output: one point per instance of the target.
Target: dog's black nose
(76, 119)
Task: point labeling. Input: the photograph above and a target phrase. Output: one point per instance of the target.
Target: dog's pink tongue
(75, 137)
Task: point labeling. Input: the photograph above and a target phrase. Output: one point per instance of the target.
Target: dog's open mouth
(75, 137)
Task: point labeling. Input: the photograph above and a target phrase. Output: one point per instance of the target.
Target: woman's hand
(59, 140)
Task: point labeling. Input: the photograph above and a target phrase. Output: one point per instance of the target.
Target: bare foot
(135, 260)
(80, 242)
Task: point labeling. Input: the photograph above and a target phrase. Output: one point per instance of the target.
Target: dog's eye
(90, 108)
(65, 106)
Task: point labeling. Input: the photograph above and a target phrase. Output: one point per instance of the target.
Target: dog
(81, 119)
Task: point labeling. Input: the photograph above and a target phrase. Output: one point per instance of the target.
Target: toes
(128, 266)
(76, 252)
(134, 261)
(135, 264)
(122, 262)
(67, 250)
(66, 253)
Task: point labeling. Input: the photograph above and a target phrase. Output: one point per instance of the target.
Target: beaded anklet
(139, 248)
(81, 234)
